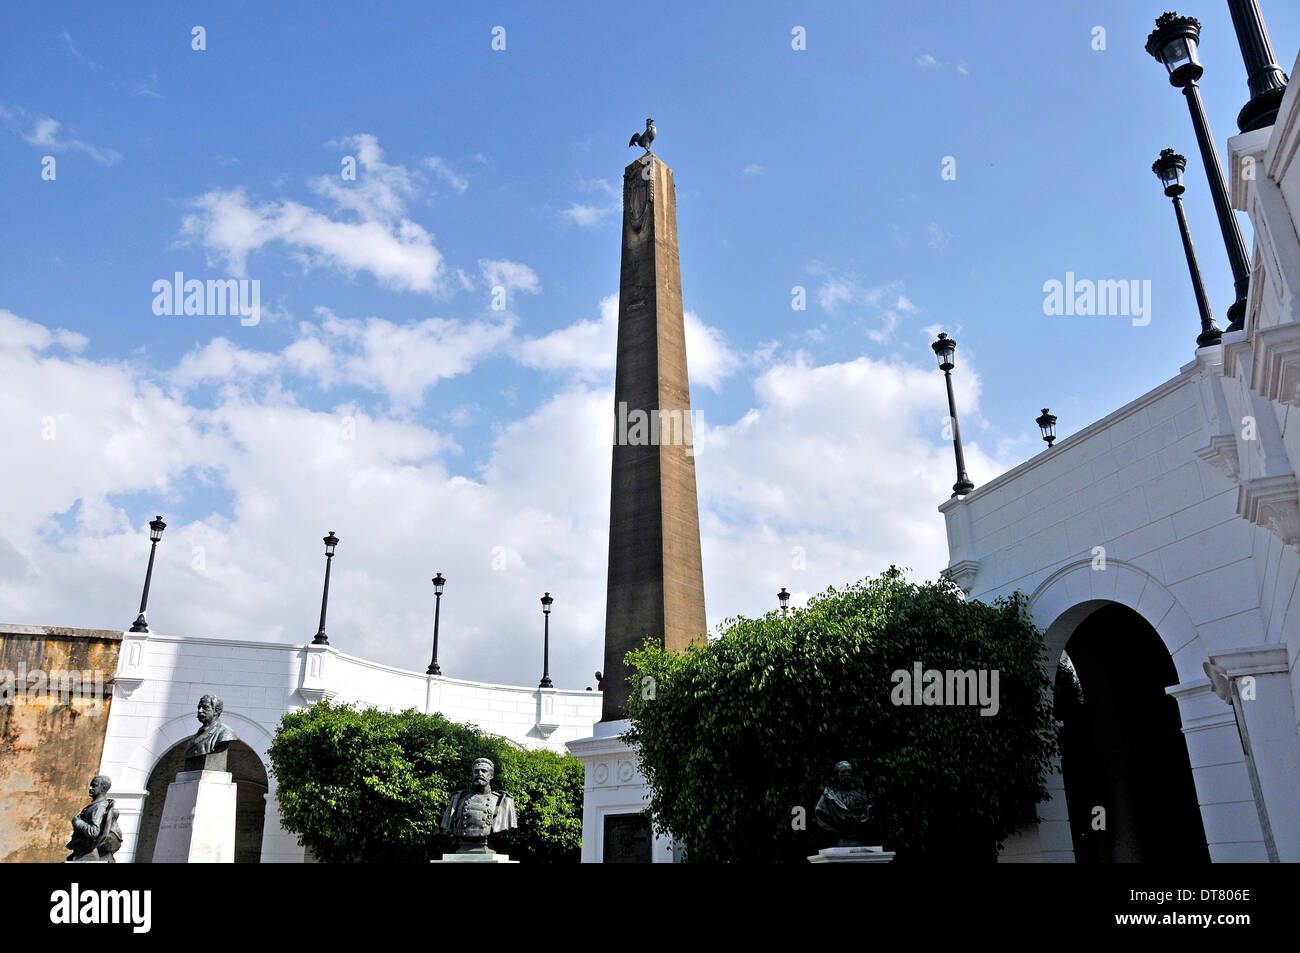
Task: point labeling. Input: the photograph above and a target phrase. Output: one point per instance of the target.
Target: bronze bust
(843, 810)
(96, 835)
(207, 748)
(474, 814)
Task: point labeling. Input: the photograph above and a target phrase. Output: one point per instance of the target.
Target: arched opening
(1128, 780)
(250, 800)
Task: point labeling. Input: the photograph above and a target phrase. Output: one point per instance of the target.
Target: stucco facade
(1184, 506)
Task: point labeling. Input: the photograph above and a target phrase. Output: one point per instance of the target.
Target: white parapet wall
(160, 679)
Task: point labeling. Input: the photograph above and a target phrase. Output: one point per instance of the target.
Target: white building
(160, 678)
(1160, 547)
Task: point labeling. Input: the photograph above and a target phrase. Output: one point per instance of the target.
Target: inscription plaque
(627, 839)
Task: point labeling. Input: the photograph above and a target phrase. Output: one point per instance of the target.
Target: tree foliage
(737, 738)
(371, 786)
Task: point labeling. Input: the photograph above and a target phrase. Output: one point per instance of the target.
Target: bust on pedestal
(845, 811)
(476, 813)
(198, 822)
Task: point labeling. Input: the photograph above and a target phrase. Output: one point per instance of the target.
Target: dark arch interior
(250, 803)
(1122, 747)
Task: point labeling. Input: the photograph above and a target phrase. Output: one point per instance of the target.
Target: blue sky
(480, 435)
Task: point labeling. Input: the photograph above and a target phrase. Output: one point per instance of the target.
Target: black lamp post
(784, 597)
(330, 542)
(438, 583)
(1169, 167)
(945, 350)
(1047, 424)
(156, 527)
(1173, 43)
(1266, 80)
(546, 642)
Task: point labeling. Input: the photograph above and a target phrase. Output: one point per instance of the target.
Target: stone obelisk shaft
(656, 581)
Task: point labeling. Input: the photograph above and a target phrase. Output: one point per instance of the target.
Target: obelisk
(656, 581)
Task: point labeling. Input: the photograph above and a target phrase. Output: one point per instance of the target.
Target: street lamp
(1169, 168)
(156, 527)
(945, 350)
(784, 597)
(438, 583)
(1173, 42)
(546, 642)
(1047, 424)
(1266, 80)
(330, 542)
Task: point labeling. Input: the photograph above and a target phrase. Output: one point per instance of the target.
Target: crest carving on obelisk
(638, 193)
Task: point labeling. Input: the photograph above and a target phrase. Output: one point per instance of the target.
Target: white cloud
(926, 61)
(587, 349)
(592, 214)
(400, 361)
(584, 349)
(753, 169)
(20, 334)
(806, 475)
(839, 291)
(709, 361)
(230, 229)
(586, 216)
(405, 360)
(382, 240)
(220, 360)
(511, 275)
(445, 172)
(45, 132)
(783, 475)
(72, 48)
(379, 193)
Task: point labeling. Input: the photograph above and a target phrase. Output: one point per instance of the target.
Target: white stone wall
(160, 679)
(1190, 494)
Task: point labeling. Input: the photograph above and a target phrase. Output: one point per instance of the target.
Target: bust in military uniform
(475, 813)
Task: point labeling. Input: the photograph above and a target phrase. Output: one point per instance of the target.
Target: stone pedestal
(475, 859)
(198, 822)
(852, 855)
(614, 826)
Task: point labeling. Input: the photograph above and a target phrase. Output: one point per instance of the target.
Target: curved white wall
(160, 678)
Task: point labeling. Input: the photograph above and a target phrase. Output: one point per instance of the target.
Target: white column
(1221, 775)
(278, 845)
(1256, 683)
(130, 811)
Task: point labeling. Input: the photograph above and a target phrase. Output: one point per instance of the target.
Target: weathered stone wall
(54, 703)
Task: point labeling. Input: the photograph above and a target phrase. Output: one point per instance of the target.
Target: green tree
(738, 737)
(371, 786)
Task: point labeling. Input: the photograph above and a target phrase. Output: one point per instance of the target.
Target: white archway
(1058, 606)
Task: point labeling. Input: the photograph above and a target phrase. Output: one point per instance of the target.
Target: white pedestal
(852, 855)
(475, 859)
(613, 787)
(198, 822)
